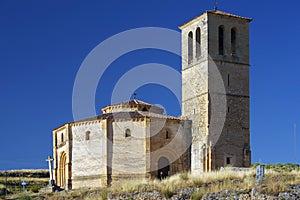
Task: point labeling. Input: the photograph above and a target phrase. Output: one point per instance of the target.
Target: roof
(131, 105)
(129, 115)
(126, 115)
(217, 12)
(131, 102)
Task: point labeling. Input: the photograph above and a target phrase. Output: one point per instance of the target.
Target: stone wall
(62, 147)
(215, 92)
(89, 155)
(172, 142)
(128, 153)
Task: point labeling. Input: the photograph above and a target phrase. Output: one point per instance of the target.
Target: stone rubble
(186, 193)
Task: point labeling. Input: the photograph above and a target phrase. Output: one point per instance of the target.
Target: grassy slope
(277, 177)
(11, 180)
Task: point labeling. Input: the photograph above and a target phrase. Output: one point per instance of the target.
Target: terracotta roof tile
(218, 12)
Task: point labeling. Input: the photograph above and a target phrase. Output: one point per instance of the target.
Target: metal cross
(216, 5)
(134, 95)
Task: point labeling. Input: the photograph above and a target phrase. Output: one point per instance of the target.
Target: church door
(62, 170)
(163, 168)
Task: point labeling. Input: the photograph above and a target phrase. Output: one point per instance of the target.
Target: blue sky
(43, 43)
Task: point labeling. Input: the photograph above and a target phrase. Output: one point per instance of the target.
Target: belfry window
(127, 133)
(233, 41)
(221, 40)
(198, 42)
(190, 47)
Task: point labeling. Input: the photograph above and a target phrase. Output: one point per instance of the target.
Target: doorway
(163, 168)
(62, 170)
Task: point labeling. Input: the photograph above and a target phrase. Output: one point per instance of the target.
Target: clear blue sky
(43, 43)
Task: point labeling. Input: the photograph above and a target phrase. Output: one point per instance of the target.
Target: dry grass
(220, 179)
(276, 182)
(27, 171)
(211, 182)
(27, 179)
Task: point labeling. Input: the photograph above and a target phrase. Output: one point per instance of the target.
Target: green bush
(104, 195)
(35, 188)
(198, 182)
(196, 196)
(280, 167)
(167, 193)
(184, 176)
(25, 197)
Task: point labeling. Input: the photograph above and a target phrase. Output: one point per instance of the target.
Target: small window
(145, 109)
(233, 42)
(228, 160)
(190, 47)
(228, 79)
(127, 132)
(246, 152)
(221, 40)
(87, 135)
(62, 137)
(167, 135)
(198, 42)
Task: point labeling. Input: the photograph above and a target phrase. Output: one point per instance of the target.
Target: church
(134, 139)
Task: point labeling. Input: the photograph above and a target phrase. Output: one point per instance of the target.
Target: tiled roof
(218, 12)
(132, 102)
(128, 115)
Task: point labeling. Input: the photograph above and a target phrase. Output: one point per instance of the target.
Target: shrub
(196, 196)
(25, 197)
(167, 193)
(184, 176)
(104, 195)
(35, 188)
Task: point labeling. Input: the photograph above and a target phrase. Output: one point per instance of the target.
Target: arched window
(62, 137)
(233, 41)
(190, 47)
(127, 132)
(221, 40)
(198, 42)
(87, 135)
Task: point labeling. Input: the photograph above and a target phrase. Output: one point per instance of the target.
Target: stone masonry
(134, 139)
(215, 87)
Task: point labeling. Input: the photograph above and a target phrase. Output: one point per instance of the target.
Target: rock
(237, 194)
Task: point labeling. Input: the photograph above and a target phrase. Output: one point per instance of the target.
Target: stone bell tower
(215, 89)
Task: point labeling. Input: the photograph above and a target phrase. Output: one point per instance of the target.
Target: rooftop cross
(216, 5)
(134, 95)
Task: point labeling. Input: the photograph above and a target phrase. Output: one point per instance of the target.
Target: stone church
(134, 139)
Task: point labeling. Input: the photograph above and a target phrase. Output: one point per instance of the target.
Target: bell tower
(215, 89)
